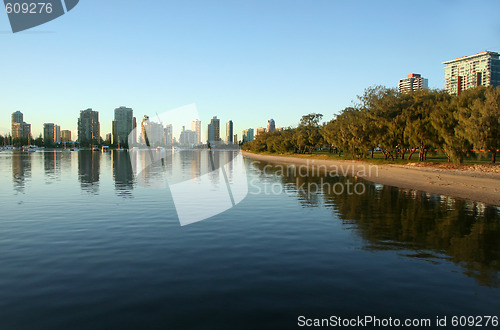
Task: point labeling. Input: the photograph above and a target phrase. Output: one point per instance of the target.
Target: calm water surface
(82, 245)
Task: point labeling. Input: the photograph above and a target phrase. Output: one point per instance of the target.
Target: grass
(434, 157)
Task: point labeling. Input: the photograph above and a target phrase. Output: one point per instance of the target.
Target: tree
(308, 132)
(38, 141)
(444, 118)
(479, 118)
(419, 132)
(384, 108)
(2, 140)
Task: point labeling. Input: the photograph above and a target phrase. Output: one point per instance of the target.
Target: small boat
(105, 148)
(74, 149)
(29, 148)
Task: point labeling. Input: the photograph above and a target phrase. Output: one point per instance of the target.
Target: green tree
(444, 118)
(308, 132)
(479, 118)
(385, 109)
(419, 132)
(39, 141)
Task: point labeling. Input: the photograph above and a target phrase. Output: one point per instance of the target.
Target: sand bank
(473, 183)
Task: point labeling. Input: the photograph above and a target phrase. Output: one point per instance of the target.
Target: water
(83, 245)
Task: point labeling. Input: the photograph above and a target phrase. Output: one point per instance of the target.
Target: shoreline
(465, 184)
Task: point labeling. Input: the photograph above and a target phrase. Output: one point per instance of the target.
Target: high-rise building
(89, 131)
(19, 128)
(122, 125)
(51, 133)
(196, 127)
(229, 132)
(188, 137)
(480, 69)
(412, 82)
(152, 133)
(134, 132)
(65, 136)
(235, 138)
(213, 130)
(247, 135)
(271, 125)
(168, 133)
(260, 130)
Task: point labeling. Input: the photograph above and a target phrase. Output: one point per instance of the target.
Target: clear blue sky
(242, 60)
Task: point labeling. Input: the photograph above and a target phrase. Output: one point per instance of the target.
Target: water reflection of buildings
(52, 164)
(21, 169)
(389, 218)
(88, 170)
(122, 173)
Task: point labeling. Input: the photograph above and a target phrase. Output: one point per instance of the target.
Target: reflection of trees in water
(122, 174)
(399, 219)
(88, 170)
(21, 169)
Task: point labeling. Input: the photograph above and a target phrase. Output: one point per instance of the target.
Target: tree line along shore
(465, 126)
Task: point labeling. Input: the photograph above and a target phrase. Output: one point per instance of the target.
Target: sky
(247, 61)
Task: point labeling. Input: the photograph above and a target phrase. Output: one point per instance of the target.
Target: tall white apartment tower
(196, 127)
(480, 69)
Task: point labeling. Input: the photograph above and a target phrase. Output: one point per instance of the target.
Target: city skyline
(413, 81)
(279, 60)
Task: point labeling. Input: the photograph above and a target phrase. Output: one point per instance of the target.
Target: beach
(478, 183)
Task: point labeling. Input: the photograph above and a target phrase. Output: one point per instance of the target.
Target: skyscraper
(19, 128)
(122, 125)
(480, 69)
(260, 130)
(134, 132)
(247, 135)
(229, 132)
(153, 134)
(271, 125)
(188, 137)
(51, 133)
(65, 136)
(196, 127)
(213, 130)
(88, 127)
(168, 132)
(412, 82)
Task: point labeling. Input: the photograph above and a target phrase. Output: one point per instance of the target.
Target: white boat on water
(30, 148)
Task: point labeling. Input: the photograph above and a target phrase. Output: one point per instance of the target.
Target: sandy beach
(476, 183)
